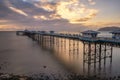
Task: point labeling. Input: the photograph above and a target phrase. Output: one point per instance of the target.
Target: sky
(58, 15)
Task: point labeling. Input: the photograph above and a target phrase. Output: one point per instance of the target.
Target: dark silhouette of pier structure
(95, 49)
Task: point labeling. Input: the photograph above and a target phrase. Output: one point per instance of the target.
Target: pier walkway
(73, 36)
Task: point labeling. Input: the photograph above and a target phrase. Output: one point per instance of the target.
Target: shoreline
(42, 76)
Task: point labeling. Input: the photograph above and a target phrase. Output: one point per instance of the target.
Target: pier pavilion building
(90, 33)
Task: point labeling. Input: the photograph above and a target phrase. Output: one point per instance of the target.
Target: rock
(44, 66)
(5, 76)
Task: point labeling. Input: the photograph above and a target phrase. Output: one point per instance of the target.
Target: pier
(95, 49)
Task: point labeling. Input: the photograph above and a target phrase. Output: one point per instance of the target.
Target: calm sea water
(22, 55)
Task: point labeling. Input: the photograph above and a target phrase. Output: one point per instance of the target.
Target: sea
(23, 56)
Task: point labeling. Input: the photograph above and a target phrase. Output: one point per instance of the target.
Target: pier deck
(74, 36)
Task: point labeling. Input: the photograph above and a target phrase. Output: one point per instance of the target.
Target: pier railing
(72, 36)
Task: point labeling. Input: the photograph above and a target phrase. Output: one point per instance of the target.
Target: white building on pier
(90, 33)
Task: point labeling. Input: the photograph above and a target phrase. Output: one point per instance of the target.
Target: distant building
(42, 31)
(116, 34)
(52, 32)
(90, 34)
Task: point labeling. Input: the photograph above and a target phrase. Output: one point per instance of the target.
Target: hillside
(113, 28)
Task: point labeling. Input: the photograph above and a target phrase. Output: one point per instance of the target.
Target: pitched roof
(90, 32)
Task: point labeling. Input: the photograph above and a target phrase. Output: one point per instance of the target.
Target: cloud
(72, 10)
(18, 11)
(101, 24)
(54, 16)
(13, 8)
(3, 21)
(47, 15)
(40, 17)
(91, 2)
(46, 6)
(8, 27)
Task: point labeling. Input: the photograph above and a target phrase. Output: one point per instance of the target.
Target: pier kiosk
(90, 34)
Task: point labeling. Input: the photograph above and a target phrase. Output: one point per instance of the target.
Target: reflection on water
(97, 56)
(66, 50)
(89, 59)
(21, 55)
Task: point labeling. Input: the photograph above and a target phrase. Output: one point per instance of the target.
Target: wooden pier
(95, 49)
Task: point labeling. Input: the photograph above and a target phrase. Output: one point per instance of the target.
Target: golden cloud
(46, 6)
(40, 17)
(55, 16)
(43, 17)
(72, 10)
(10, 6)
(75, 12)
(91, 2)
(18, 11)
